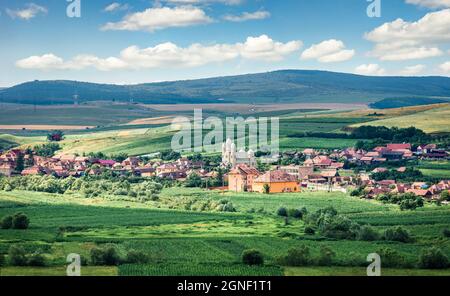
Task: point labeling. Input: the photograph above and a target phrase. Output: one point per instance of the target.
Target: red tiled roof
(399, 146)
(276, 176)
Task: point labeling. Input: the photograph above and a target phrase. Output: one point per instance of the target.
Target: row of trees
(142, 190)
(432, 258)
(333, 225)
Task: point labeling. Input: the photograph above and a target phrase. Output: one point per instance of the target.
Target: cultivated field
(208, 243)
(436, 120)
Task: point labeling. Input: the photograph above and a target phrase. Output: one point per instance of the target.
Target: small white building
(231, 157)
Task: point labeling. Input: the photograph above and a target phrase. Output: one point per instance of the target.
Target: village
(318, 170)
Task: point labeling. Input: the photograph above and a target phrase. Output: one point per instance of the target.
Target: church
(231, 157)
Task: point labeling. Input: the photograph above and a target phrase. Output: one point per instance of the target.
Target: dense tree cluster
(88, 187)
(55, 136)
(46, 150)
(406, 201)
(394, 134)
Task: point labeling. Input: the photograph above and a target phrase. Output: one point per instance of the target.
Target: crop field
(198, 270)
(198, 243)
(431, 121)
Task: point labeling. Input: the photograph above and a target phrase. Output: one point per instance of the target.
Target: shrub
(309, 230)
(397, 234)
(445, 195)
(105, 256)
(282, 212)
(391, 258)
(410, 202)
(36, 259)
(252, 257)
(7, 222)
(326, 256)
(2, 260)
(296, 213)
(20, 221)
(137, 257)
(17, 256)
(354, 259)
(446, 232)
(357, 192)
(297, 257)
(338, 227)
(304, 212)
(367, 233)
(433, 258)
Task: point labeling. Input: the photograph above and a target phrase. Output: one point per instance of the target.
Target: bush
(433, 258)
(309, 230)
(136, 257)
(304, 212)
(2, 260)
(446, 232)
(397, 234)
(326, 256)
(367, 233)
(410, 202)
(105, 256)
(36, 259)
(354, 259)
(20, 221)
(7, 222)
(282, 212)
(297, 257)
(391, 258)
(252, 257)
(445, 195)
(296, 213)
(17, 256)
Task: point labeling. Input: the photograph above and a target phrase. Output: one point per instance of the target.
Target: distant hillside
(405, 102)
(272, 87)
(435, 120)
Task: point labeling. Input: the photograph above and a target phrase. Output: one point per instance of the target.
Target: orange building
(278, 182)
(241, 178)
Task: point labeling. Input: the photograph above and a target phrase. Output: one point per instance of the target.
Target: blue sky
(120, 41)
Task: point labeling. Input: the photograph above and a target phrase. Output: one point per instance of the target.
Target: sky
(129, 42)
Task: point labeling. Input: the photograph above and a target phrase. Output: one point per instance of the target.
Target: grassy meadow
(207, 243)
(185, 242)
(434, 120)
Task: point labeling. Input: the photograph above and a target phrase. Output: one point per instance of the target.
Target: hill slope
(435, 120)
(271, 87)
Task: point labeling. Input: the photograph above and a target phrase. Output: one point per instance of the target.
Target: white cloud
(53, 62)
(370, 69)
(328, 51)
(445, 67)
(169, 55)
(402, 40)
(246, 16)
(430, 3)
(30, 11)
(413, 70)
(115, 6)
(46, 61)
(159, 18)
(264, 48)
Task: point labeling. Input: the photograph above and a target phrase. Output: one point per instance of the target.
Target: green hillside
(271, 87)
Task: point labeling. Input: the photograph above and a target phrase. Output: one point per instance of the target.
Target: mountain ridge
(280, 86)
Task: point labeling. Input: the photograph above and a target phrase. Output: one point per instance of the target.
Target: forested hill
(271, 87)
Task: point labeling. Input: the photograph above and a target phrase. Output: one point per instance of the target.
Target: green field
(207, 243)
(431, 121)
(110, 133)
